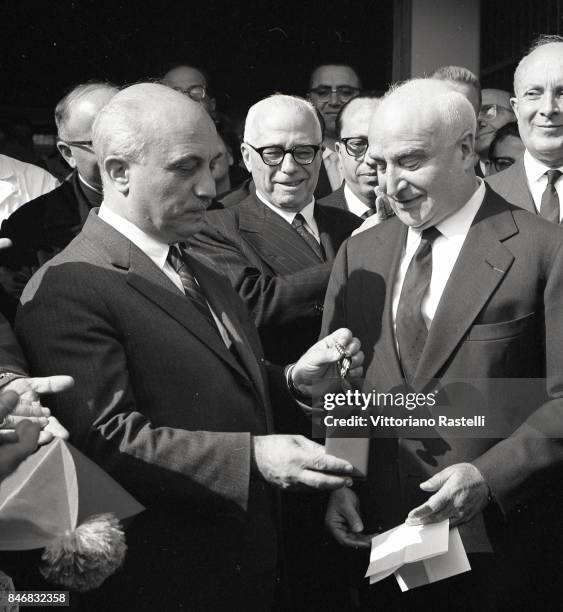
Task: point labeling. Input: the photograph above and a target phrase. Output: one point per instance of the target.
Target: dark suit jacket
(335, 199)
(166, 409)
(40, 229)
(500, 316)
(512, 185)
(276, 274)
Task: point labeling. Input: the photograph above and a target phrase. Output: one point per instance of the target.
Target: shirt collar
(307, 211)
(534, 168)
(6, 170)
(154, 249)
(355, 205)
(85, 182)
(457, 225)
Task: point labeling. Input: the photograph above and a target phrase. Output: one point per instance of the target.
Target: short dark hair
(508, 129)
(458, 74)
(366, 95)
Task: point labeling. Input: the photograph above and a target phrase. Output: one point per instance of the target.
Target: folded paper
(417, 554)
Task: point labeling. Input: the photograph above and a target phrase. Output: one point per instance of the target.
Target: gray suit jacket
(512, 185)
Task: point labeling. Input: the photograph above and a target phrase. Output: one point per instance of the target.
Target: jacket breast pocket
(501, 330)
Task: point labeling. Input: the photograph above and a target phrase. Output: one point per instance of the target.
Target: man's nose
(288, 164)
(549, 104)
(392, 181)
(205, 187)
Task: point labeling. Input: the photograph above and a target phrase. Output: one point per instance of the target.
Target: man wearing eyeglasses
(357, 192)
(277, 245)
(192, 82)
(331, 86)
(534, 180)
(45, 225)
(495, 112)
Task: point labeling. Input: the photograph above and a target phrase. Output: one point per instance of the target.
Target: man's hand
(343, 520)
(17, 444)
(321, 359)
(29, 406)
(461, 493)
(289, 462)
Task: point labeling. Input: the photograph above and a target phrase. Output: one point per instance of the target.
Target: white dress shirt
(307, 212)
(156, 251)
(21, 182)
(537, 181)
(445, 251)
(353, 202)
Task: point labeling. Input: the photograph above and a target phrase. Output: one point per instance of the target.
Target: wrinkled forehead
(286, 125)
(334, 75)
(404, 125)
(542, 67)
(356, 117)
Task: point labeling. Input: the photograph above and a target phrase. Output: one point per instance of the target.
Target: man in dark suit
(171, 394)
(279, 269)
(459, 286)
(357, 192)
(534, 181)
(44, 226)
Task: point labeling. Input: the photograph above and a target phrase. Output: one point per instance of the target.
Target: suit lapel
(515, 186)
(383, 260)
(329, 234)
(480, 267)
(221, 302)
(276, 242)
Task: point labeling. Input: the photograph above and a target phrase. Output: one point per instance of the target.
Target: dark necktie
(549, 207)
(299, 225)
(369, 213)
(410, 326)
(191, 288)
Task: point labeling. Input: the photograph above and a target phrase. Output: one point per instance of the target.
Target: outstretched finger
(51, 384)
(323, 482)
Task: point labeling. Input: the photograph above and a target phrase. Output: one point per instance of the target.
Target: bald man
(458, 286)
(534, 181)
(171, 394)
(44, 226)
(277, 246)
(192, 82)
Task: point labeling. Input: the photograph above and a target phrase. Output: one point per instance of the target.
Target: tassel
(82, 559)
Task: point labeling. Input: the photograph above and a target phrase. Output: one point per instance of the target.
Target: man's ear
(514, 104)
(467, 147)
(246, 157)
(118, 170)
(66, 152)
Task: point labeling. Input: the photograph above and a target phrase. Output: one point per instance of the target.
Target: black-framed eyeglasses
(502, 163)
(344, 92)
(195, 92)
(273, 155)
(356, 146)
(490, 111)
(82, 144)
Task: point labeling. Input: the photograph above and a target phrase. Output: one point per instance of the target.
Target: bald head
(74, 116)
(156, 148)
(421, 141)
(182, 77)
(536, 63)
(278, 105)
(432, 104)
(142, 117)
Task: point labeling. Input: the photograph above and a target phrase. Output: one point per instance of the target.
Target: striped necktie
(549, 207)
(299, 225)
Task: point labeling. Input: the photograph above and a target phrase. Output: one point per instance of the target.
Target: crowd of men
(180, 301)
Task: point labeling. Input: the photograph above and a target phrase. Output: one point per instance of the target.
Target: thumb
(8, 401)
(351, 513)
(435, 482)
